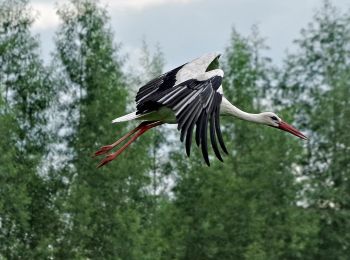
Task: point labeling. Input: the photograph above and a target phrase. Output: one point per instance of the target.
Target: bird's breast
(163, 114)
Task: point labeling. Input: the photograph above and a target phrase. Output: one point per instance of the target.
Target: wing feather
(189, 135)
(198, 129)
(163, 82)
(189, 129)
(204, 140)
(188, 114)
(213, 134)
(217, 127)
(196, 104)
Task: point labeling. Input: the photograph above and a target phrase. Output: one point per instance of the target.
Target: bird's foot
(103, 150)
(109, 158)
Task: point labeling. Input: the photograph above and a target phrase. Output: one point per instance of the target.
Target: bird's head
(273, 120)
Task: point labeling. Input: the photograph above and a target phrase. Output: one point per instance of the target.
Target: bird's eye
(274, 118)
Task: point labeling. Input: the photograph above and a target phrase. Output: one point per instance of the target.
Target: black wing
(159, 84)
(195, 103)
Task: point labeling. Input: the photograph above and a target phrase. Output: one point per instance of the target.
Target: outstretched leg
(107, 148)
(141, 130)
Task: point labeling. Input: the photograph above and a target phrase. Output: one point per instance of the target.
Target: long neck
(227, 108)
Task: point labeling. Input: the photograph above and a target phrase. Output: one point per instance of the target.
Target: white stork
(189, 95)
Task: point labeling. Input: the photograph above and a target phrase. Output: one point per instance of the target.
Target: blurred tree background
(290, 201)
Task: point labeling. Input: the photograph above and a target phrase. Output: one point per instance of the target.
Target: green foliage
(26, 198)
(275, 197)
(317, 79)
(106, 209)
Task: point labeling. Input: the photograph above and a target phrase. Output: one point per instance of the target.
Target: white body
(166, 115)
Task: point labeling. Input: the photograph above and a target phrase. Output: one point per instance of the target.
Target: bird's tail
(127, 117)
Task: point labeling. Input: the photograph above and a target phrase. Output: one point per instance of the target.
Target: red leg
(107, 148)
(142, 130)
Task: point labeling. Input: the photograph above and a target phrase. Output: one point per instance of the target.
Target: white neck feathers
(227, 108)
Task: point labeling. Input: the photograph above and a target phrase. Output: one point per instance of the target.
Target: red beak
(288, 128)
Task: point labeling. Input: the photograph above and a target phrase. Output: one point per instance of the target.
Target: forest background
(275, 197)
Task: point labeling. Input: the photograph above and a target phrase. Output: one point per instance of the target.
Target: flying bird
(192, 97)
